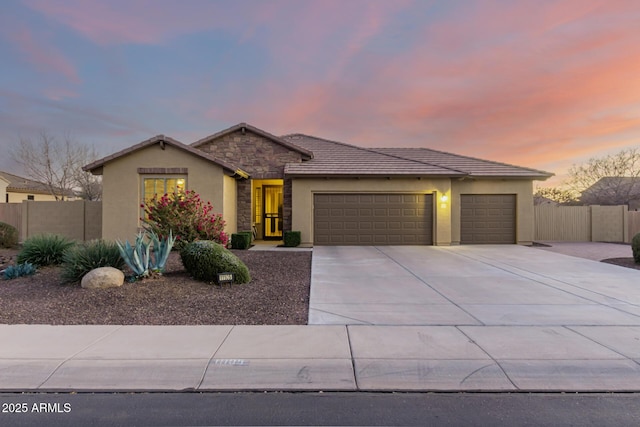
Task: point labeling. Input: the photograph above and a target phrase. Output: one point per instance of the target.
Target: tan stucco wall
(77, 220)
(446, 215)
(524, 204)
(230, 205)
(304, 189)
(122, 188)
(3, 190)
(19, 197)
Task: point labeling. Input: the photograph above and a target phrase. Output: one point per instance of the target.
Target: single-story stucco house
(15, 189)
(333, 193)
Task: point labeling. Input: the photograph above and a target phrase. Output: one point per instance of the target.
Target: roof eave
(369, 175)
(97, 166)
(540, 177)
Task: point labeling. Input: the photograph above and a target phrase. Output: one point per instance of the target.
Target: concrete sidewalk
(371, 358)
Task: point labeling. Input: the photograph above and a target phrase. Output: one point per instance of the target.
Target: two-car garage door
(407, 219)
(373, 219)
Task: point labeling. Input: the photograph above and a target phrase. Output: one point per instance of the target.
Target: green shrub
(240, 241)
(635, 248)
(80, 259)
(44, 249)
(204, 259)
(187, 216)
(8, 235)
(15, 271)
(292, 239)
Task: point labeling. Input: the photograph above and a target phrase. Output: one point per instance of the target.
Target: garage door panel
(365, 198)
(487, 218)
(373, 219)
(322, 198)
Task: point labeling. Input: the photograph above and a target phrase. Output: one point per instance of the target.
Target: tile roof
(332, 158)
(161, 139)
(20, 184)
(323, 157)
(472, 166)
(612, 190)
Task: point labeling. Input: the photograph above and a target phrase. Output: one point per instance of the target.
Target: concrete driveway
(488, 285)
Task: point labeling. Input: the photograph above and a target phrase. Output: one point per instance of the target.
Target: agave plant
(19, 270)
(137, 256)
(161, 250)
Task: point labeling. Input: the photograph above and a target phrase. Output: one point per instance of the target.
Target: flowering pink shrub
(187, 216)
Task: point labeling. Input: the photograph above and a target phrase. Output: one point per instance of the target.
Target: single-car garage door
(373, 219)
(487, 218)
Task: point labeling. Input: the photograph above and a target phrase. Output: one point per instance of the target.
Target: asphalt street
(319, 409)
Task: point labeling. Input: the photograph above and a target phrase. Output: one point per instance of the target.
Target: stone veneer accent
(287, 191)
(262, 158)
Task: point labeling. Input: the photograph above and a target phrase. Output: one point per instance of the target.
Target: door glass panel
(273, 201)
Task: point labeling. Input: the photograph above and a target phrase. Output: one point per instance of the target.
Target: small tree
(558, 195)
(609, 180)
(186, 215)
(57, 163)
(87, 185)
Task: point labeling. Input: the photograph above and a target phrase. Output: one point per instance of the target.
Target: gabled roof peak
(162, 139)
(243, 127)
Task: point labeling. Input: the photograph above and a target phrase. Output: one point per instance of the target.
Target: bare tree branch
(610, 180)
(558, 195)
(58, 165)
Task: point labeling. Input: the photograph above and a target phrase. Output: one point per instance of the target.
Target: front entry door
(273, 201)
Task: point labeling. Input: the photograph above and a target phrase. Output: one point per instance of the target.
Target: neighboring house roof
(543, 201)
(96, 166)
(612, 190)
(240, 126)
(332, 158)
(19, 184)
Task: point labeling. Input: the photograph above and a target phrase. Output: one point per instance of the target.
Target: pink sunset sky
(543, 84)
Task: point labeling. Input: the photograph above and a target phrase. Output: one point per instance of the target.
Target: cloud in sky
(543, 84)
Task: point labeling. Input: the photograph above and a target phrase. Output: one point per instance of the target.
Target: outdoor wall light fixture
(443, 201)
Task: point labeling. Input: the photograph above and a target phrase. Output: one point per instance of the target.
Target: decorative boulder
(103, 277)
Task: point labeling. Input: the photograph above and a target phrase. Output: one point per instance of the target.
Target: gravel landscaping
(278, 294)
(623, 262)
